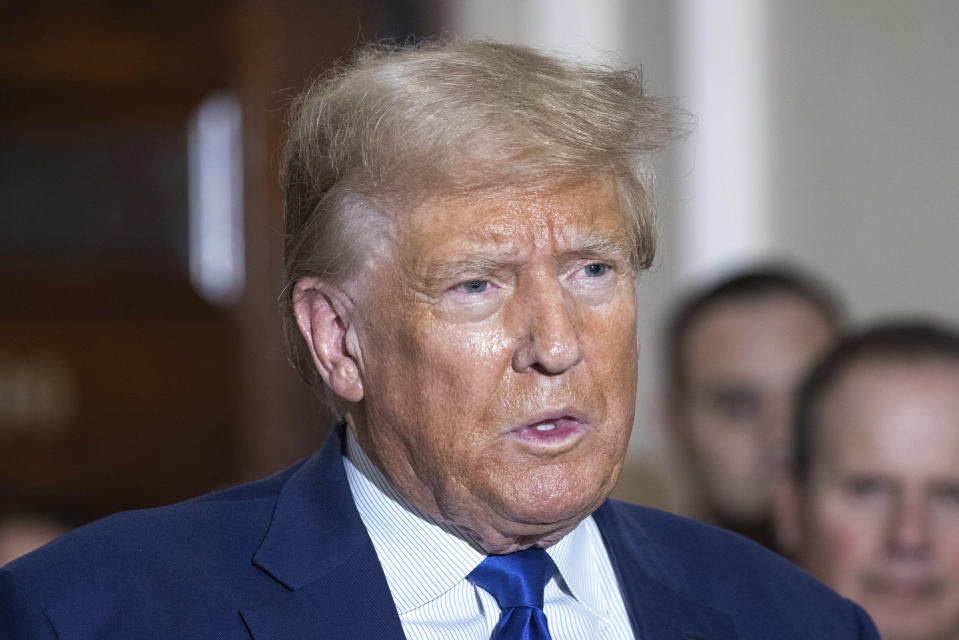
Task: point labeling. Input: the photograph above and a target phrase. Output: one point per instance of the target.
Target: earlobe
(325, 316)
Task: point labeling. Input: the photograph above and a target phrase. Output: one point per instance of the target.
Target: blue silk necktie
(517, 582)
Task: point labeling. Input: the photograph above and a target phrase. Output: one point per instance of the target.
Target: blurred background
(141, 359)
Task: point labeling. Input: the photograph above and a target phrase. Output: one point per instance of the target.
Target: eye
(596, 270)
(946, 494)
(737, 405)
(473, 286)
(592, 281)
(866, 487)
(471, 300)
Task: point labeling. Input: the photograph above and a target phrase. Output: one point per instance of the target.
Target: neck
(760, 531)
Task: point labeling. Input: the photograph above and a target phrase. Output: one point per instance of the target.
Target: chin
(564, 504)
(521, 520)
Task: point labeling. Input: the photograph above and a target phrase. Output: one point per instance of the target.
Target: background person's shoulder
(763, 593)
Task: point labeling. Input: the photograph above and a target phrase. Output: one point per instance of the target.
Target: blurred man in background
(735, 354)
(872, 504)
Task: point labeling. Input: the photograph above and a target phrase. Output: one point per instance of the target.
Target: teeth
(545, 427)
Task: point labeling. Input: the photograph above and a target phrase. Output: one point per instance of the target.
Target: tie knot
(517, 579)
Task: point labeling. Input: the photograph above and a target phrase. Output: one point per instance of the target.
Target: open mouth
(551, 429)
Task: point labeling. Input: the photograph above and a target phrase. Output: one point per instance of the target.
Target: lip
(570, 425)
(905, 588)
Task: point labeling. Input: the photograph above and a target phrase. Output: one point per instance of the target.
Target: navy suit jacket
(288, 558)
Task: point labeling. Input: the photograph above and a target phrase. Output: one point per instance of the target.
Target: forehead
(769, 337)
(900, 418)
(516, 218)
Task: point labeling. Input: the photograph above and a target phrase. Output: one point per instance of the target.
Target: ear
(787, 516)
(325, 316)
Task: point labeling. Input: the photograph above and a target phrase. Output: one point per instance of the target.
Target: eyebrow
(436, 272)
(591, 245)
(600, 245)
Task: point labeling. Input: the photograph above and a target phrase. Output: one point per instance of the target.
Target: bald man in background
(871, 506)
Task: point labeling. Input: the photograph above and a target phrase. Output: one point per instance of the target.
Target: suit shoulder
(142, 557)
(188, 523)
(682, 542)
(727, 572)
(178, 527)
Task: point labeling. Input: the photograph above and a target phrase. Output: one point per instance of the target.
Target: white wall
(864, 121)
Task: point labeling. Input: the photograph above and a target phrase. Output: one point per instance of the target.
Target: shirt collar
(577, 557)
(408, 542)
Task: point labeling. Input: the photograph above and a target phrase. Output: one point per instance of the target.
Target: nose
(908, 533)
(549, 337)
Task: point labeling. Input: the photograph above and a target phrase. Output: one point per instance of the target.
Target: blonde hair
(370, 139)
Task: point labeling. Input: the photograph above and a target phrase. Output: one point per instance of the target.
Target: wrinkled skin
(483, 317)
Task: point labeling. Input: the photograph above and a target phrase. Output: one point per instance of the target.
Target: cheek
(840, 546)
(477, 350)
(612, 362)
(945, 537)
(461, 371)
(449, 382)
(609, 379)
(609, 341)
(450, 361)
(727, 453)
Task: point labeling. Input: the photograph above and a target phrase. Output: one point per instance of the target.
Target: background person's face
(743, 360)
(881, 509)
(499, 358)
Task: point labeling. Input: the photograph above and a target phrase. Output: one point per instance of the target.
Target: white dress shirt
(426, 564)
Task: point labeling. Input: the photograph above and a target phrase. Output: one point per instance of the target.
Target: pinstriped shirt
(426, 564)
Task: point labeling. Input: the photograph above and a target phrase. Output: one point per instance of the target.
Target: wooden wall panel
(119, 385)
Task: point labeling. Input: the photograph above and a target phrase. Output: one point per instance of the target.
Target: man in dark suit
(465, 222)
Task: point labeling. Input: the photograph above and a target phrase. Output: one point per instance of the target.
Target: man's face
(498, 359)
(880, 513)
(742, 360)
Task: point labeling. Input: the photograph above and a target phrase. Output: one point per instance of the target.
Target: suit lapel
(656, 607)
(338, 606)
(318, 548)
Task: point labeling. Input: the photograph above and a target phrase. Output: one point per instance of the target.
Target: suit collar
(651, 579)
(315, 524)
(317, 548)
